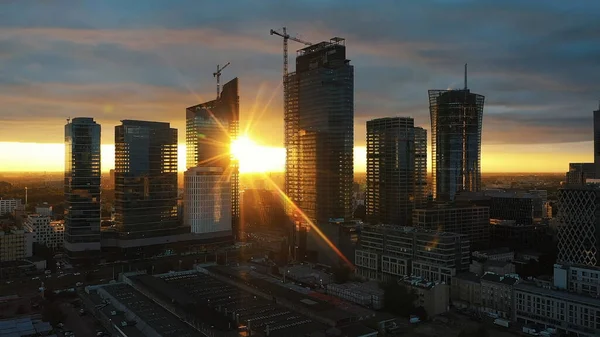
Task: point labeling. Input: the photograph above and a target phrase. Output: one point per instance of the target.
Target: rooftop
(504, 279)
(469, 277)
(557, 294)
(495, 251)
(25, 326)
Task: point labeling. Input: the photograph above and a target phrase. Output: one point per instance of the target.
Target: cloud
(536, 65)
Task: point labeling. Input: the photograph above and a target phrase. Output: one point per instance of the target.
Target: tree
(399, 299)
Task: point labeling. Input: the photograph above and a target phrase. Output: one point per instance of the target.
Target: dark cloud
(536, 64)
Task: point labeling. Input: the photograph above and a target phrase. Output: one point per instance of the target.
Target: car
(60, 325)
(77, 274)
(35, 278)
(47, 272)
(78, 284)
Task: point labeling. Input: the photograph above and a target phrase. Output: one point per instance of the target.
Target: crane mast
(218, 76)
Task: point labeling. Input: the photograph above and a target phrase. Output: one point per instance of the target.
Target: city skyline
(151, 67)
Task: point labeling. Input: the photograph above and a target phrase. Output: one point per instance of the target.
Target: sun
(255, 158)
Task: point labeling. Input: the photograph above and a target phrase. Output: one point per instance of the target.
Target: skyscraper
(210, 129)
(578, 223)
(456, 118)
(319, 132)
(420, 167)
(597, 141)
(82, 189)
(145, 179)
(392, 170)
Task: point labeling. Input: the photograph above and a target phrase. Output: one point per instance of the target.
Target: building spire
(465, 76)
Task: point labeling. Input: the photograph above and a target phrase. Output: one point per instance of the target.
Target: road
(82, 326)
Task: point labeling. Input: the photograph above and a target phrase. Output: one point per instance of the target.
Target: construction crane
(287, 37)
(218, 76)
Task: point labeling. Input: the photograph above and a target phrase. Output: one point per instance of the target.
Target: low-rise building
(9, 205)
(44, 210)
(15, 244)
(492, 266)
(497, 294)
(465, 291)
(498, 254)
(577, 278)
(567, 312)
(367, 294)
(389, 252)
(45, 231)
(433, 297)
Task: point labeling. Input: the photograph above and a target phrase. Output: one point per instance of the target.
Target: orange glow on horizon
(255, 157)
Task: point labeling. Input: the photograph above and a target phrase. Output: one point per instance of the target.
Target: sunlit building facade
(456, 121)
(319, 132)
(145, 179)
(211, 127)
(82, 189)
(207, 195)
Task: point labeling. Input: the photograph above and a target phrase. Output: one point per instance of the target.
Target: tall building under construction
(319, 132)
(210, 129)
(456, 118)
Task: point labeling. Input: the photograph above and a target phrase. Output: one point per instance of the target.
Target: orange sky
(254, 157)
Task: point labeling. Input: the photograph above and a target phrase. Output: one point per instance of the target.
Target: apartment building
(497, 293)
(9, 205)
(15, 244)
(465, 291)
(392, 251)
(45, 231)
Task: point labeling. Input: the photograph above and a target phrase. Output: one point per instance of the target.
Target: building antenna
(68, 119)
(465, 76)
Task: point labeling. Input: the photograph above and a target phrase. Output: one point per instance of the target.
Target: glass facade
(210, 129)
(145, 178)
(390, 170)
(319, 132)
(456, 117)
(82, 188)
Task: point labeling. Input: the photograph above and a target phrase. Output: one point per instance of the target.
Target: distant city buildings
(580, 172)
(145, 179)
(44, 210)
(456, 121)
(82, 189)
(396, 170)
(207, 201)
(9, 205)
(472, 221)
(45, 231)
(389, 252)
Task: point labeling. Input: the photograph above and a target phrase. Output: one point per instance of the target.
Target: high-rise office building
(82, 189)
(319, 132)
(456, 120)
(578, 223)
(421, 189)
(597, 142)
(392, 163)
(580, 172)
(210, 129)
(145, 179)
(207, 201)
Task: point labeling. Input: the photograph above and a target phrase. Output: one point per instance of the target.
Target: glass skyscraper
(145, 179)
(82, 189)
(319, 132)
(396, 170)
(210, 129)
(456, 120)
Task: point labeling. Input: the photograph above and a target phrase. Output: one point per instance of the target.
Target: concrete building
(565, 311)
(388, 252)
(579, 172)
(456, 121)
(211, 127)
(497, 267)
(465, 291)
(578, 223)
(472, 221)
(15, 244)
(433, 297)
(44, 210)
(45, 231)
(394, 187)
(510, 234)
(497, 292)
(82, 189)
(498, 254)
(578, 279)
(207, 200)
(9, 205)
(367, 294)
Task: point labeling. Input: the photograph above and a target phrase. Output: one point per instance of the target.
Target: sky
(537, 63)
